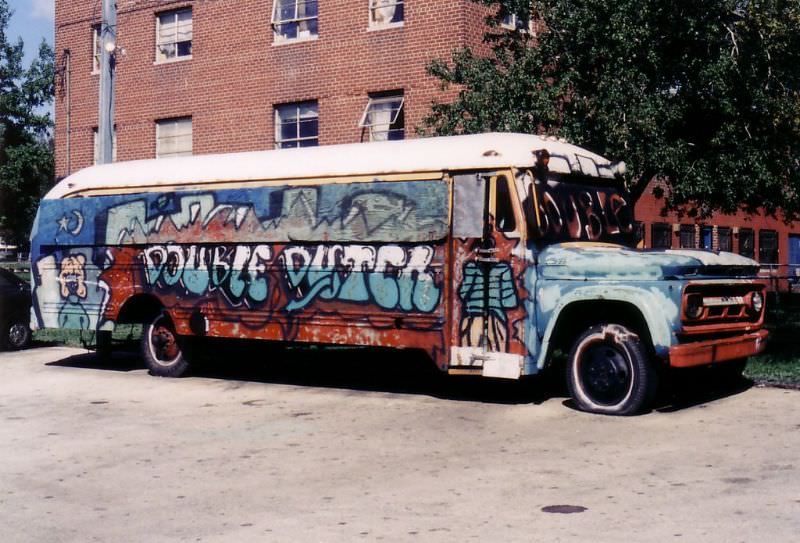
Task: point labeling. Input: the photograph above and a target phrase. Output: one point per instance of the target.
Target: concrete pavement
(311, 449)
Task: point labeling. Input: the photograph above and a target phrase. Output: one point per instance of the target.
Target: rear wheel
(16, 335)
(609, 372)
(161, 349)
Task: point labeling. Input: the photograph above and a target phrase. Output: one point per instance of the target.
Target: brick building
(212, 76)
(209, 76)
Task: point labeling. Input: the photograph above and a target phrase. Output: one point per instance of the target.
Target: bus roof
(451, 153)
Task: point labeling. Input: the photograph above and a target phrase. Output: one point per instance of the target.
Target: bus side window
(504, 208)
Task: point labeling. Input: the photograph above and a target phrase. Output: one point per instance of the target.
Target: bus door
(487, 330)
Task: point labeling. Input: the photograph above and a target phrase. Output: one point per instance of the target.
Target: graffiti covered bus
(489, 252)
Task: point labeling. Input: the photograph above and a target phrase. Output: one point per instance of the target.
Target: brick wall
(236, 74)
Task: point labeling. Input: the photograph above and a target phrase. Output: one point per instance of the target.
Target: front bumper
(700, 353)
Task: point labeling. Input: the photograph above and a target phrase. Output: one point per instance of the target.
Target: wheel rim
(163, 344)
(17, 334)
(605, 374)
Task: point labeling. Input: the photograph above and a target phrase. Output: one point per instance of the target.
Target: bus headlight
(694, 306)
(757, 302)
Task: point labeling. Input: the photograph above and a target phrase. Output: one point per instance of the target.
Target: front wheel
(609, 371)
(161, 349)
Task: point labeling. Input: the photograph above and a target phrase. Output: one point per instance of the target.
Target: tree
(703, 94)
(26, 150)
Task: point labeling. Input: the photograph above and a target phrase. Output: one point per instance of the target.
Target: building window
(660, 236)
(174, 35)
(96, 142)
(747, 242)
(174, 137)
(511, 21)
(97, 43)
(294, 19)
(724, 240)
(385, 12)
(638, 234)
(688, 236)
(706, 237)
(767, 246)
(297, 125)
(383, 117)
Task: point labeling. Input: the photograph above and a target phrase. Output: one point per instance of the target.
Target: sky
(32, 20)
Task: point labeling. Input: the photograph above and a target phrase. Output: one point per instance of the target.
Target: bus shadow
(698, 389)
(389, 371)
(366, 369)
(392, 371)
(122, 361)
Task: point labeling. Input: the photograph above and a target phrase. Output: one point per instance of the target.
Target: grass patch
(124, 335)
(779, 364)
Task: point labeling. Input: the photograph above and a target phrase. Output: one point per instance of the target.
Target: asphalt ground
(372, 446)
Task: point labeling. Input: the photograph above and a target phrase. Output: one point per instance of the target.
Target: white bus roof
(452, 153)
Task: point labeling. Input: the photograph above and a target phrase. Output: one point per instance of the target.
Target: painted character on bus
(72, 278)
(502, 296)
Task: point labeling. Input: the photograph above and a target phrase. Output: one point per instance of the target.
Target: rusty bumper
(717, 350)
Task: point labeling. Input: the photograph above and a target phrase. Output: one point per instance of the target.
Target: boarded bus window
(504, 209)
(724, 242)
(688, 237)
(768, 247)
(660, 236)
(468, 204)
(747, 242)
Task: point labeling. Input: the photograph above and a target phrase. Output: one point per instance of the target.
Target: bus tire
(609, 372)
(16, 335)
(161, 349)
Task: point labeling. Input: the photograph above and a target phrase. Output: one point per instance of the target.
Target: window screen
(660, 236)
(747, 242)
(768, 247)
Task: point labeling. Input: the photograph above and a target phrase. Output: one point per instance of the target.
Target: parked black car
(15, 311)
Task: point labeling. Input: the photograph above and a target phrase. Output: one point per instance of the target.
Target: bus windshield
(577, 208)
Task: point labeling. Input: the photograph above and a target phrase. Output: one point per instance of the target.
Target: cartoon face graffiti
(72, 276)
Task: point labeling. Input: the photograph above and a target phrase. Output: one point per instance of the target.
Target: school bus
(489, 252)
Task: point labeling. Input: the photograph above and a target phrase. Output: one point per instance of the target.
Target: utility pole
(105, 120)
(108, 43)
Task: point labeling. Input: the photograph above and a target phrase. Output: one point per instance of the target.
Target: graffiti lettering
(580, 214)
(391, 276)
(239, 271)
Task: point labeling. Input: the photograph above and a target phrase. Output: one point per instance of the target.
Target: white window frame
(375, 5)
(161, 123)
(513, 21)
(97, 53)
(96, 141)
(162, 58)
(279, 142)
(279, 38)
(368, 123)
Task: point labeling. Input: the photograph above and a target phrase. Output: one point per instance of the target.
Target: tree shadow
(389, 371)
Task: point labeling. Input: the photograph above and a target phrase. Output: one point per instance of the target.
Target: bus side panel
(359, 263)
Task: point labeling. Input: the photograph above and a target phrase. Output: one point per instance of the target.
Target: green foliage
(703, 94)
(26, 151)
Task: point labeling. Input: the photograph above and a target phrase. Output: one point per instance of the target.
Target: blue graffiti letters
(391, 276)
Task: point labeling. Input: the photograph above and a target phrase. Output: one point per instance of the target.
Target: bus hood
(582, 261)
